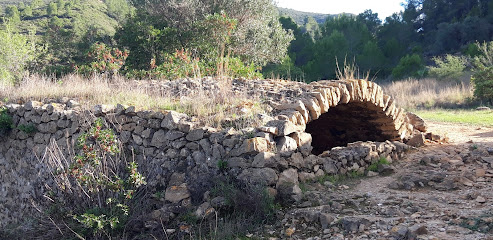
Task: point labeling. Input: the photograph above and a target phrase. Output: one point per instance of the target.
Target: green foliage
(99, 178)
(448, 68)
(179, 65)
(12, 13)
(259, 24)
(52, 9)
(409, 66)
(285, 70)
(27, 128)
(301, 17)
(483, 72)
(374, 166)
(222, 165)
(242, 199)
(16, 51)
(119, 9)
(236, 68)
(104, 59)
(6, 122)
(27, 12)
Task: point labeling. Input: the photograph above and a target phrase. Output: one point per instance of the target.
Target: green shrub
(6, 122)
(181, 64)
(236, 68)
(374, 166)
(16, 51)
(246, 208)
(103, 59)
(449, 67)
(27, 128)
(482, 77)
(222, 165)
(409, 66)
(97, 187)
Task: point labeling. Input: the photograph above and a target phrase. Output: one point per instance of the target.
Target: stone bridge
(336, 113)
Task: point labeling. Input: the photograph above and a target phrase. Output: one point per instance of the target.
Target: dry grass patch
(212, 108)
(429, 93)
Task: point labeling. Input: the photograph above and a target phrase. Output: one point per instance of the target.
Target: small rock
(418, 230)
(480, 172)
(175, 194)
(480, 199)
(483, 109)
(417, 140)
(385, 169)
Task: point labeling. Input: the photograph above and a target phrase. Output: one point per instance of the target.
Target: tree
(15, 53)
(27, 12)
(52, 9)
(12, 14)
(36, 4)
(371, 20)
(409, 66)
(483, 72)
(258, 37)
(119, 9)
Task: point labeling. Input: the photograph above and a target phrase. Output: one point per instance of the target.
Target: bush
(104, 60)
(482, 77)
(96, 188)
(246, 208)
(449, 67)
(409, 66)
(16, 51)
(6, 122)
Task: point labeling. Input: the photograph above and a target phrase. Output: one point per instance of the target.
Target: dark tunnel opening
(347, 123)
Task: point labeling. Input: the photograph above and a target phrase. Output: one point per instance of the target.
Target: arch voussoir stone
(343, 110)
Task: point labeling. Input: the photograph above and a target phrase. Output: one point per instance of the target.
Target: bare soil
(439, 191)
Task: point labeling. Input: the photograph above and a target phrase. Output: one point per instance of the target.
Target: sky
(384, 8)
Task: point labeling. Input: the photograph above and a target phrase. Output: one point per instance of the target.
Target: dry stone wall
(180, 157)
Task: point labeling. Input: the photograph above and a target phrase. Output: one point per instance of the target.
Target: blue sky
(384, 8)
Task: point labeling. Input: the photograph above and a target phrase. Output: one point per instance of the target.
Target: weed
(222, 165)
(27, 128)
(246, 207)
(374, 166)
(6, 122)
(481, 223)
(303, 187)
(96, 188)
(338, 178)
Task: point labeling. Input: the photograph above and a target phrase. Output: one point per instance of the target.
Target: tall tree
(258, 37)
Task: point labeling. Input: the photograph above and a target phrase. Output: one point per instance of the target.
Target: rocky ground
(439, 191)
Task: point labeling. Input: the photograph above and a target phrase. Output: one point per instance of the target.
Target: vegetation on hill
(300, 17)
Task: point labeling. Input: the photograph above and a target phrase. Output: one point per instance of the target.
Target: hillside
(299, 16)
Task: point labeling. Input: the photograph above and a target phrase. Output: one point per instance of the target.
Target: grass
(239, 109)
(430, 93)
(374, 166)
(469, 117)
(339, 178)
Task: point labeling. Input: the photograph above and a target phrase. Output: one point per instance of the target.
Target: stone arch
(339, 112)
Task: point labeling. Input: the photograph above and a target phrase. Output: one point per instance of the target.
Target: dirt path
(460, 134)
(440, 191)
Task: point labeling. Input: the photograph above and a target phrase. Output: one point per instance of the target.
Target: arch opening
(347, 123)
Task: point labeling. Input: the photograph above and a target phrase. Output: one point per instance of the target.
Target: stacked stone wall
(179, 156)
